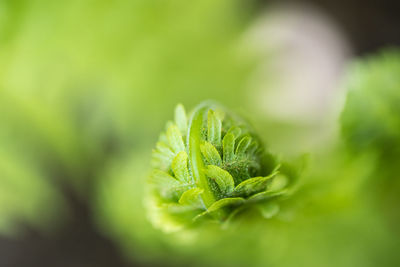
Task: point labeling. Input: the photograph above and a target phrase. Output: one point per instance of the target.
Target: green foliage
(371, 125)
(84, 88)
(370, 119)
(220, 169)
(332, 210)
(84, 83)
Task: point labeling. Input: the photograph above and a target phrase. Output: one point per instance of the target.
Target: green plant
(213, 167)
(370, 118)
(370, 124)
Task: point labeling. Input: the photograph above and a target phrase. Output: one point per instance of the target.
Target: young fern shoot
(212, 167)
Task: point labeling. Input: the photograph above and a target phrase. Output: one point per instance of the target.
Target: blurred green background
(87, 86)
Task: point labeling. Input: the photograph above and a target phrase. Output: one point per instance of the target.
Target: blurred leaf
(181, 119)
(175, 139)
(269, 209)
(191, 196)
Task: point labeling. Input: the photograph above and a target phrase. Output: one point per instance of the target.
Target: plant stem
(195, 161)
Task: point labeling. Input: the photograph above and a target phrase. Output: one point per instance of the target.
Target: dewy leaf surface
(175, 140)
(222, 178)
(212, 166)
(214, 128)
(228, 144)
(211, 154)
(180, 167)
(253, 185)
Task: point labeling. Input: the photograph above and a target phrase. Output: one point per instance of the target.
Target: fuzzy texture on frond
(211, 166)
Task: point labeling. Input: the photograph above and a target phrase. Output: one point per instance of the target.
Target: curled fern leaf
(210, 166)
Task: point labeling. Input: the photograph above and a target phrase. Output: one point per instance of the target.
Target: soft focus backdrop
(87, 86)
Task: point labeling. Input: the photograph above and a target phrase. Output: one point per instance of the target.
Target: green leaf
(267, 195)
(268, 210)
(214, 128)
(181, 119)
(211, 154)
(175, 139)
(243, 145)
(277, 167)
(195, 157)
(235, 130)
(252, 148)
(180, 167)
(167, 185)
(162, 156)
(219, 113)
(164, 149)
(280, 182)
(222, 178)
(253, 185)
(228, 144)
(191, 197)
(225, 202)
(163, 179)
(218, 205)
